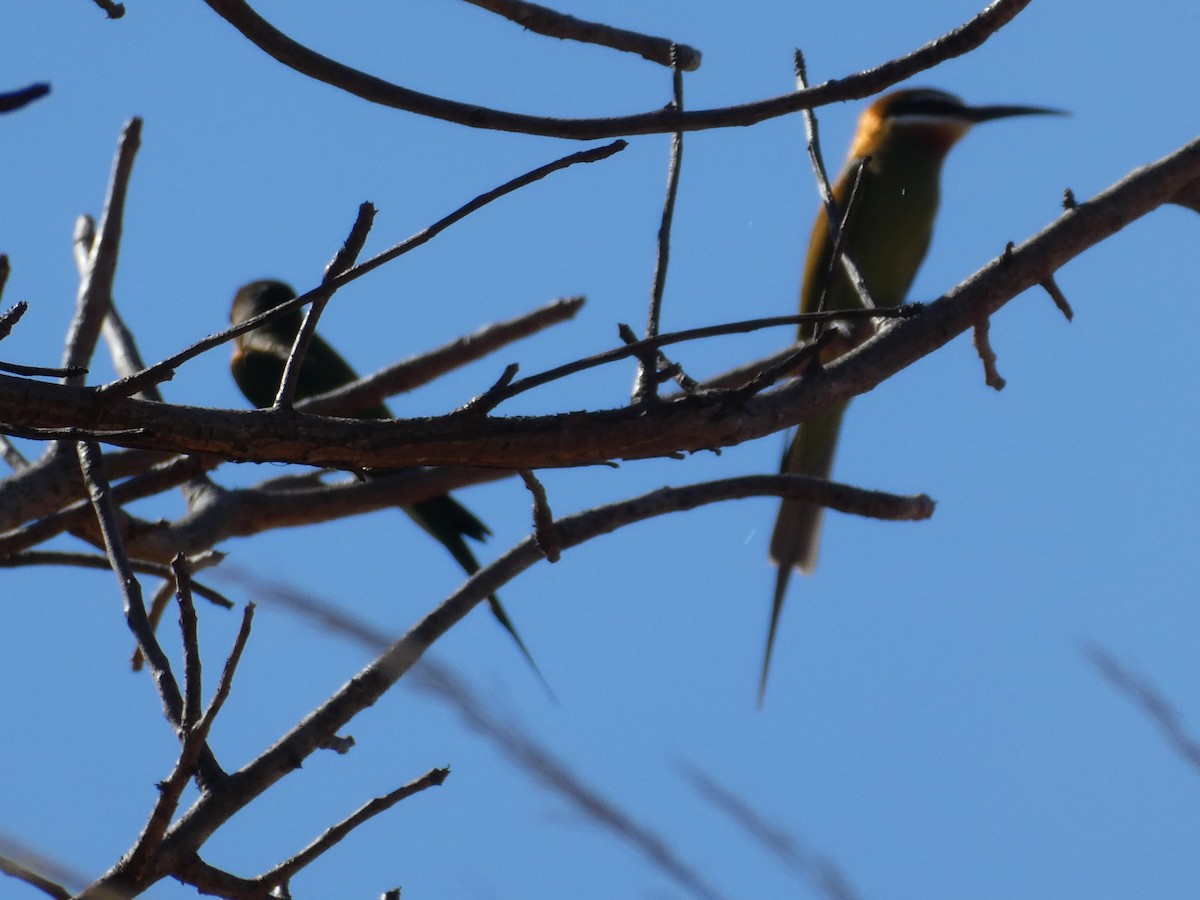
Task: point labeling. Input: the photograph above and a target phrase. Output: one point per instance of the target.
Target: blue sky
(932, 726)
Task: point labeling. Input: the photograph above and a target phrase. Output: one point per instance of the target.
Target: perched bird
(259, 357)
(907, 135)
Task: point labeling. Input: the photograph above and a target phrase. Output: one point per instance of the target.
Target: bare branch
(1149, 699)
(416, 371)
(14, 869)
(543, 518)
(863, 84)
(537, 761)
(835, 219)
(342, 261)
(559, 25)
(826, 876)
(113, 10)
(95, 288)
(354, 243)
(646, 388)
(636, 347)
(190, 640)
(92, 468)
(47, 371)
(288, 869)
(214, 808)
(690, 423)
(164, 370)
(91, 561)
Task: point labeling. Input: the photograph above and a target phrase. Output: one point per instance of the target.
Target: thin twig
(536, 760)
(300, 344)
(46, 371)
(276, 44)
(349, 252)
(192, 665)
(18, 98)
(158, 607)
(543, 518)
(95, 287)
(633, 348)
(551, 23)
(342, 261)
(983, 346)
(370, 684)
(190, 755)
(827, 876)
(1059, 298)
(93, 561)
(835, 219)
(1151, 701)
(332, 836)
(15, 869)
(164, 370)
(409, 374)
(122, 346)
(646, 388)
(92, 468)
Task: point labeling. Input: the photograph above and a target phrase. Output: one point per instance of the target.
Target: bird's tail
(448, 521)
(797, 535)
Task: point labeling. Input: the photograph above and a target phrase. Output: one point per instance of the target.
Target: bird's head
(931, 119)
(260, 296)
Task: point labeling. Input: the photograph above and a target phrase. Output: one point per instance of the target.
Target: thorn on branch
(543, 519)
(983, 347)
(1059, 298)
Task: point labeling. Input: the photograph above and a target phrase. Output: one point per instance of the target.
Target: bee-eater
(906, 135)
(259, 357)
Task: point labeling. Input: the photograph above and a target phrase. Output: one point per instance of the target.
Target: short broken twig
(543, 518)
(983, 346)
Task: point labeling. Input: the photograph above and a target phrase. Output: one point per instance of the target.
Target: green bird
(259, 357)
(907, 135)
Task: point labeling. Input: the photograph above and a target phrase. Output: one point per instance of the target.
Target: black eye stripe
(927, 106)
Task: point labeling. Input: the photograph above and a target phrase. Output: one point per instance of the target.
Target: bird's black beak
(987, 113)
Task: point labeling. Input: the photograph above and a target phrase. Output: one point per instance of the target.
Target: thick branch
(308, 62)
(212, 809)
(689, 423)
